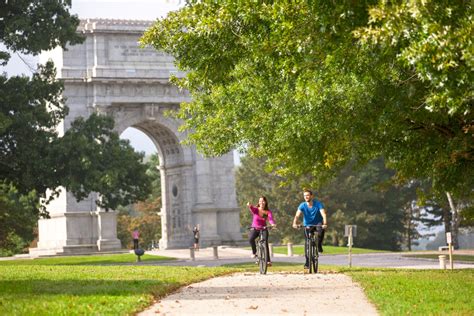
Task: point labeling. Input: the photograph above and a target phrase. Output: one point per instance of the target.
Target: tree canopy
(32, 26)
(314, 84)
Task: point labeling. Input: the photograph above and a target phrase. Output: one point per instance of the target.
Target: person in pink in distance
(135, 236)
(261, 213)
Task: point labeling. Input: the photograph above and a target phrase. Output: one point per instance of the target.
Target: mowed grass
(46, 287)
(466, 258)
(62, 286)
(87, 260)
(328, 250)
(418, 292)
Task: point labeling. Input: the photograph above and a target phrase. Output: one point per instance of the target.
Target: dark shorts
(196, 240)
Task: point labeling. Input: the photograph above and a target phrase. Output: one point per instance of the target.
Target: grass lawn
(467, 258)
(418, 292)
(328, 250)
(61, 286)
(86, 260)
(64, 286)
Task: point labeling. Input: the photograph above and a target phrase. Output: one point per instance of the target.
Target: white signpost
(350, 231)
(450, 248)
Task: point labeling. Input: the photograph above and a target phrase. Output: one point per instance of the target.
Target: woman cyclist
(261, 213)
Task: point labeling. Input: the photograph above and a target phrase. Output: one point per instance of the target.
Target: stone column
(70, 229)
(107, 231)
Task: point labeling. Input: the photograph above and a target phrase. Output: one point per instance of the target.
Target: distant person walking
(196, 238)
(135, 236)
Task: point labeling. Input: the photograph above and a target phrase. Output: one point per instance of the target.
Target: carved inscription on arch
(127, 49)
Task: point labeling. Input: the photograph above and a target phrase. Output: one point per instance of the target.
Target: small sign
(448, 238)
(346, 230)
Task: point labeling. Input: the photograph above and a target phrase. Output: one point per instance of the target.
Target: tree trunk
(446, 220)
(335, 240)
(408, 228)
(454, 221)
(408, 225)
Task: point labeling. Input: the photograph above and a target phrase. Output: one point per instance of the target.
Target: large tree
(315, 84)
(365, 197)
(89, 157)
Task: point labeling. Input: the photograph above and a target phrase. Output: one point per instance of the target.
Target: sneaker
(269, 264)
(306, 266)
(253, 256)
(320, 248)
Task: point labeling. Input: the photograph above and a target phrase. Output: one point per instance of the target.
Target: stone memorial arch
(110, 74)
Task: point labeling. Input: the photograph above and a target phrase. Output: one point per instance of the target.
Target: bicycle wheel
(262, 258)
(311, 257)
(315, 257)
(307, 245)
(316, 264)
(316, 254)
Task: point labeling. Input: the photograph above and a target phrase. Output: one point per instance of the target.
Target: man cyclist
(313, 214)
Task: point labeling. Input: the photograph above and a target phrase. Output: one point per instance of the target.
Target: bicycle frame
(311, 247)
(262, 254)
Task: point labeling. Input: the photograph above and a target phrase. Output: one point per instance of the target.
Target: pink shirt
(258, 221)
(135, 234)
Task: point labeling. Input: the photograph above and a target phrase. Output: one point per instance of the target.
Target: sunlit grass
(104, 286)
(59, 288)
(468, 258)
(85, 260)
(418, 292)
(328, 250)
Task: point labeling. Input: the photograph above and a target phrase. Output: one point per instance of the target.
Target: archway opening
(139, 141)
(143, 216)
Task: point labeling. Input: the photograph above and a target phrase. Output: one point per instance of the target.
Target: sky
(109, 9)
(124, 9)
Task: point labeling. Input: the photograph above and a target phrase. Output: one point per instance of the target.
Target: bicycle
(262, 255)
(311, 250)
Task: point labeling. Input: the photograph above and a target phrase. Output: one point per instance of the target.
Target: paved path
(271, 294)
(227, 255)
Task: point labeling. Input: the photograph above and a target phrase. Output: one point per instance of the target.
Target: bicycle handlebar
(309, 226)
(262, 228)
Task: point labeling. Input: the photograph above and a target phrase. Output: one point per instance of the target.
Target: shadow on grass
(43, 287)
(123, 259)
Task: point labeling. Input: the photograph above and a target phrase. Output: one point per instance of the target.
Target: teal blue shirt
(312, 215)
